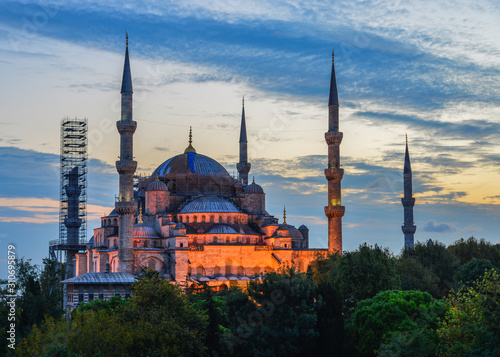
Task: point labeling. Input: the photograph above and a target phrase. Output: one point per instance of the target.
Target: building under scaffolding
(73, 194)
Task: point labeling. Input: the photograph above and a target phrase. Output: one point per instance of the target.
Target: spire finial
(284, 215)
(406, 139)
(190, 147)
(140, 216)
(243, 101)
(333, 55)
(157, 177)
(253, 181)
(126, 38)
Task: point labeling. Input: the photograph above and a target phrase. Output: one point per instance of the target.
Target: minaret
(334, 211)
(243, 166)
(126, 207)
(73, 222)
(408, 202)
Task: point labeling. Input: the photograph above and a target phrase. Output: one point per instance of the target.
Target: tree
(436, 258)
(471, 326)
(280, 318)
(365, 272)
(473, 270)
(393, 318)
(467, 249)
(413, 276)
(157, 321)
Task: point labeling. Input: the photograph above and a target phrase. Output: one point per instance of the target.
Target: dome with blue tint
(157, 186)
(254, 188)
(207, 204)
(222, 228)
(190, 162)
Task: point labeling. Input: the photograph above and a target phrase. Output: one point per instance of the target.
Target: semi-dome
(206, 204)
(190, 162)
(303, 227)
(222, 229)
(157, 186)
(143, 231)
(254, 188)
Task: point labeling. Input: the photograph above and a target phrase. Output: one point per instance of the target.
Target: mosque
(194, 223)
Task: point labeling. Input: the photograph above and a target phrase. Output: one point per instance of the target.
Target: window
(115, 222)
(155, 244)
(187, 219)
(146, 244)
(127, 291)
(212, 219)
(199, 270)
(220, 219)
(101, 293)
(115, 243)
(181, 245)
(215, 239)
(240, 271)
(180, 219)
(80, 294)
(91, 293)
(117, 291)
(216, 271)
(203, 218)
(195, 219)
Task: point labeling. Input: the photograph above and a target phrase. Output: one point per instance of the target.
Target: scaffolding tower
(73, 192)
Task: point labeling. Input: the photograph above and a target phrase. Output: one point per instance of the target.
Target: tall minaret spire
(334, 211)
(126, 207)
(408, 202)
(243, 166)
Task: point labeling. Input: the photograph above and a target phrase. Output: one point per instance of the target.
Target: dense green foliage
(395, 314)
(363, 303)
(471, 327)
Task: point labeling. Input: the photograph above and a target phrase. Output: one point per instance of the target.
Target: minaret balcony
(124, 166)
(126, 126)
(408, 201)
(126, 207)
(72, 222)
(334, 211)
(334, 173)
(333, 137)
(409, 229)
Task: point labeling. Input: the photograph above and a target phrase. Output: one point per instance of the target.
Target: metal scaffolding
(73, 162)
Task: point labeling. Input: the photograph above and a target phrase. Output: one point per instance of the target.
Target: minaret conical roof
(334, 97)
(127, 76)
(407, 168)
(243, 129)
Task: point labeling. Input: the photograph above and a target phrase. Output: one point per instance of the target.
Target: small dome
(303, 227)
(143, 231)
(179, 226)
(293, 232)
(157, 186)
(222, 229)
(206, 204)
(253, 188)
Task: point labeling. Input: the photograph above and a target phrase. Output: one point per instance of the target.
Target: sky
(428, 69)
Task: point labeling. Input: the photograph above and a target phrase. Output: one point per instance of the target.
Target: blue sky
(427, 69)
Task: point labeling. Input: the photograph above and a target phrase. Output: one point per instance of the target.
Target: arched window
(220, 219)
(212, 219)
(115, 222)
(146, 244)
(203, 218)
(195, 219)
(240, 271)
(216, 271)
(215, 239)
(187, 219)
(199, 270)
(180, 219)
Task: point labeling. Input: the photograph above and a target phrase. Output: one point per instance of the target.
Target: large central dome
(190, 162)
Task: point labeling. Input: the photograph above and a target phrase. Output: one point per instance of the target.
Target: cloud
(434, 227)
